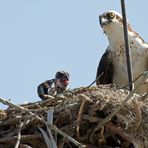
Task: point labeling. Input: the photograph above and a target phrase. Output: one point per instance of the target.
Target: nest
(90, 117)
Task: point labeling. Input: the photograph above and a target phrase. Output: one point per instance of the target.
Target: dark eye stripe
(108, 15)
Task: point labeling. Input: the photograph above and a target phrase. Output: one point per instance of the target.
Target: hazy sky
(40, 37)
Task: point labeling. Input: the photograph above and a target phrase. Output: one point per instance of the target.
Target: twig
(79, 114)
(40, 119)
(23, 138)
(91, 118)
(128, 138)
(48, 102)
(119, 131)
(11, 121)
(80, 90)
(61, 143)
(46, 138)
(84, 97)
(2, 114)
(11, 134)
(137, 116)
(68, 128)
(18, 135)
(101, 136)
(96, 79)
(144, 97)
(16, 119)
(66, 136)
(17, 107)
(26, 119)
(130, 83)
(108, 118)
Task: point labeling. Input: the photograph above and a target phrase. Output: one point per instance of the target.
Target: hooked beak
(103, 21)
(100, 20)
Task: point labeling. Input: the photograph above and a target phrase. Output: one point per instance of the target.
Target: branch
(84, 99)
(137, 116)
(119, 131)
(23, 138)
(108, 118)
(53, 127)
(19, 135)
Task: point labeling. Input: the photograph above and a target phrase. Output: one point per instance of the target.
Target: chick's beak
(66, 82)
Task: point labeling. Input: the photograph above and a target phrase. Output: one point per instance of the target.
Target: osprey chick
(113, 62)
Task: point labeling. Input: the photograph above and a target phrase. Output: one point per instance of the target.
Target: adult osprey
(113, 62)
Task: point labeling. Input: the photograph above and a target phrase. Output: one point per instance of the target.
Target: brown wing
(105, 69)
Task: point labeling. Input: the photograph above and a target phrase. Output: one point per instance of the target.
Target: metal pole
(128, 52)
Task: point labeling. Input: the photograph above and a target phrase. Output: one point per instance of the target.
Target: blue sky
(40, 37)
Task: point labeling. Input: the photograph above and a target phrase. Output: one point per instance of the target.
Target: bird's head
(112, 24)
(109, 18)
(111, 21)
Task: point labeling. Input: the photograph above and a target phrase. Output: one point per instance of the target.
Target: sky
(40, 37)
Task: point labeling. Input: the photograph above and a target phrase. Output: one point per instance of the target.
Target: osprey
(113, 62)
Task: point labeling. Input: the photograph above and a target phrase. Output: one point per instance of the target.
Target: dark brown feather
(106, 67)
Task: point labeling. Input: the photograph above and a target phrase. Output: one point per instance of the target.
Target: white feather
(139, 52)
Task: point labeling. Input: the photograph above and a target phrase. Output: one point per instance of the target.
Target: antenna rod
(128, 52)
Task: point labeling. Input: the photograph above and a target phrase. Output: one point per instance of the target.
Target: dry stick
(132, 81)
(119, 131)
(10, 134)
(84, 99)
(40, 103)
(128, 138)
(18, 135)
(26, 119)
(61, 143)
(4, 101)
(16, 119)
(66, 136)
(144, 97)
(79, 115)
(23, 138)
(96, 79)
(108, 118)
(90, 118)
(101, 136)
(137, 116)
(17, 107)
(11, 121)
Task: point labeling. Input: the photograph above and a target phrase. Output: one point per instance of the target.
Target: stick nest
(82, 114)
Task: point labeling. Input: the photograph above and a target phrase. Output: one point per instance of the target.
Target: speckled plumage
(111, 22)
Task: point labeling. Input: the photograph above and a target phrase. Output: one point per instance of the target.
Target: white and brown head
(112, 24)
(111, 19)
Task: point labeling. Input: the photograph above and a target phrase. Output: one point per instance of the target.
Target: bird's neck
(116, 40)
(116, 43)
